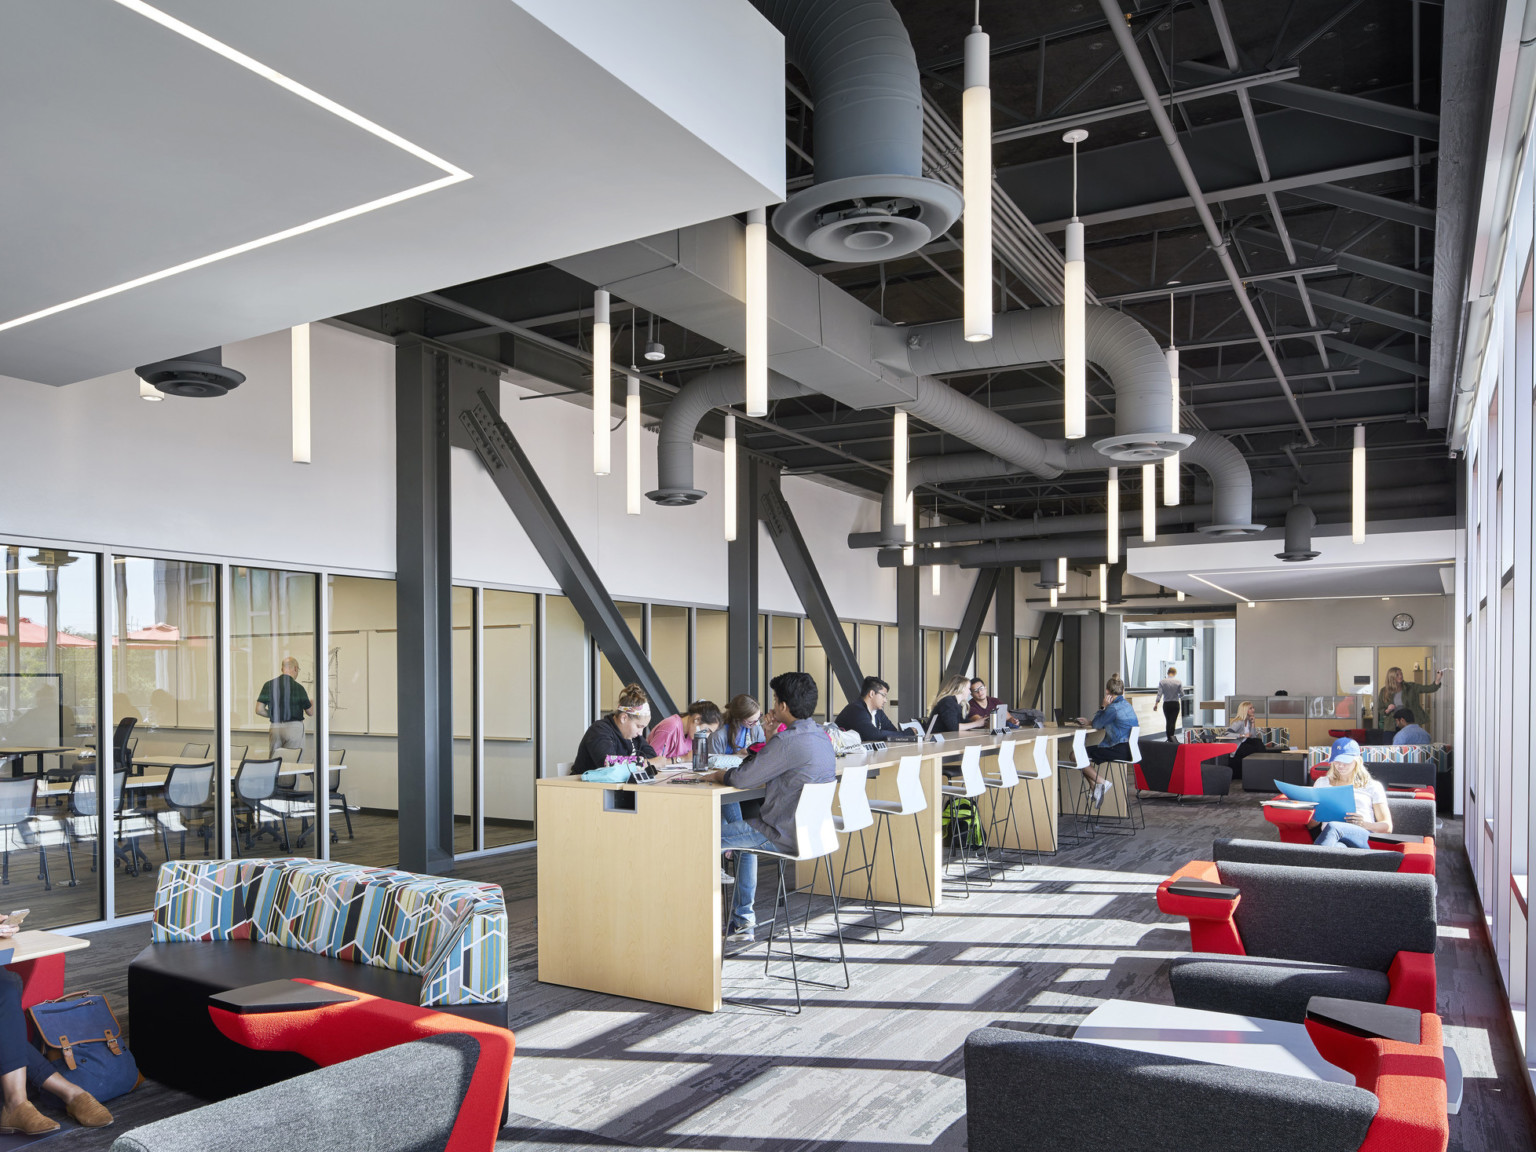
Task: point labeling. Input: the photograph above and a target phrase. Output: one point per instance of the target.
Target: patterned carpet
(878, 1067)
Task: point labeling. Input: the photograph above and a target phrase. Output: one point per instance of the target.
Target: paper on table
(1332, 803)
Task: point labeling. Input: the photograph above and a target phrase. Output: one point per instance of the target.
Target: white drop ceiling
(497, 134)
(1398, 559)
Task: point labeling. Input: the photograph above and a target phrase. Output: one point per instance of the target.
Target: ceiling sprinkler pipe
(870, 200)
(1008, 552)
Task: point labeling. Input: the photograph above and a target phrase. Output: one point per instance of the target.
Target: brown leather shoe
(86, 1111)
(27, 1120)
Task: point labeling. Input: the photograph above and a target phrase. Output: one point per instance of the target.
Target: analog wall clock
(1402, 621)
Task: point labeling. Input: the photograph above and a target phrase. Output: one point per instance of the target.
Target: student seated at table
(948, 714)
(1116, 718)
(982, 706)
(21, 1063)
(673, 738)
(619, 736)
(741, 730)
(1371, 814)
(1408, 730)
(799, 755)
(867, 717)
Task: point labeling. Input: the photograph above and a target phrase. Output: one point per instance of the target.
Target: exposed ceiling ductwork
(870, 200)
(1299, 522)
(674, 442)
(1041, 526)
(196, 376)
(1132, 360)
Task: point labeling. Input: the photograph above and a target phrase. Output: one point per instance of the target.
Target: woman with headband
(618, 737)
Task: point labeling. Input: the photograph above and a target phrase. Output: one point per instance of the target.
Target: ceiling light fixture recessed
(452, 174)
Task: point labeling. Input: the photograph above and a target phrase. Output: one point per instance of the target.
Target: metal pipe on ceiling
(1132, 55)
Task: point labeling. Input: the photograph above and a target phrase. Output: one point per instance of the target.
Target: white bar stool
(854, 815)
(970, 787)
(1040, 769)
(815, 839)
(1077, 763)
(1006, 780)
(909, 802)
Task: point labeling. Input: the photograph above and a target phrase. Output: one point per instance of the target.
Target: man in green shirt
(285, 704)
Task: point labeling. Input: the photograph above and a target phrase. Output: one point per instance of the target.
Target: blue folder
(1333, 803)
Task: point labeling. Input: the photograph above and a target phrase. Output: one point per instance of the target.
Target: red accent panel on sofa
(1186, 779)
(1211, 927)
(1407, 1079)
(1412, 980)
(338, 1032)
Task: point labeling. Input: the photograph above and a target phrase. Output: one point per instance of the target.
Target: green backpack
(970, 831)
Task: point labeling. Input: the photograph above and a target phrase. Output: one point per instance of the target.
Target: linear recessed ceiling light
(452, 173)
(1218, 587)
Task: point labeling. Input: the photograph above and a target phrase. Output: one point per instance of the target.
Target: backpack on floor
(81, 1036)
(969, 831)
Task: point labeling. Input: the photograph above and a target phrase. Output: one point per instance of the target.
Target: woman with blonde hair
(1399, 693)
(741, 728)
(1347, 770)
(618, 737)
(1244, 731)
(948, 713)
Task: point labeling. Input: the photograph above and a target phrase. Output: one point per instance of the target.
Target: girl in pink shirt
(673, 738)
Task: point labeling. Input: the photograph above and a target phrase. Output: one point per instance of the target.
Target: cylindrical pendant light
(299, 342)
(1112, 519)
(937, 568)
(1181, 597)
(899, 489)
(632, 445)
(730, 477)
(1148, 503)
(907, 519)
(757, 312)
(1357, 501)
(1103, 587)
(148, 391)
(1053, 597)
(1171, 463)
(976, 180)
(1074, 315)
(1061, 571)
(602, 385)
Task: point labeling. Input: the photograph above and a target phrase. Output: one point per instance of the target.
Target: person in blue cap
(1346, 769)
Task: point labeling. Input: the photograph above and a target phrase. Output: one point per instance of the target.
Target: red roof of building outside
(36, 636)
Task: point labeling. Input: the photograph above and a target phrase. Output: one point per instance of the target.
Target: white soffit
(188, 173)
(1389, 563)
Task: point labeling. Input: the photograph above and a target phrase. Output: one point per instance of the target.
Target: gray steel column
(785, 533)
(741, 586)
(1072, 665)
(1005, 667)
(909, 646)
(971, 621)
(423, 595)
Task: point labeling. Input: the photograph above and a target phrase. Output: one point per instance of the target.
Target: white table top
(1212, 1037)
(33, 945)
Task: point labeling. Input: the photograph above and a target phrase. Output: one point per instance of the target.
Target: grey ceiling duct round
(870, 200)
(1133, 361)
(674, 441)
(1001, 553)
(199, 375)
(1299, 522)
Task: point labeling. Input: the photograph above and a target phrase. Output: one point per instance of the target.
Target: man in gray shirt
(1170, 694)
(799, 755)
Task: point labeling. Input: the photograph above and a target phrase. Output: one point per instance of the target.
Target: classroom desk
(18, 754)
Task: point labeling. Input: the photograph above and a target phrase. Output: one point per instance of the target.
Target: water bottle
(700, 755)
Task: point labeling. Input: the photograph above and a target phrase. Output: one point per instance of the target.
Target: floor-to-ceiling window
(164, 632)
(48, 702)
(669, 651)
(711, 667)
(509, 662)
(273, 710)
(364, 707)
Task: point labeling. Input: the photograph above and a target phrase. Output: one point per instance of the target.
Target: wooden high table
(629, 888)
